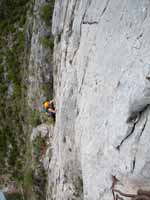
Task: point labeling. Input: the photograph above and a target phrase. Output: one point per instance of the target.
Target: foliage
(39, 148)
(45, 118)
(34, 118)
(13, 116)
(47, 88)
(78, 186)
(28, 178)
(12, 45)
(14, 196)
(47, 43)
(47, 12)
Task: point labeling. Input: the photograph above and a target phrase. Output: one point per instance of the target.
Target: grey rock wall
(40, 76)
(101, 76)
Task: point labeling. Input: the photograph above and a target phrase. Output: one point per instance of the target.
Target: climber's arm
(52, 101)
(51, 110)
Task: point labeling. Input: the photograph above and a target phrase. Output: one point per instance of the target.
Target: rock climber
(49, 107)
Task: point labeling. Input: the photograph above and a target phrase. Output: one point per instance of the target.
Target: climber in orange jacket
(48, 107)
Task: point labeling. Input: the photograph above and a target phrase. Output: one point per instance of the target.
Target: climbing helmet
(46, 104)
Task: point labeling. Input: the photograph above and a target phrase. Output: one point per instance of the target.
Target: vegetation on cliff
(12, 46)
(17, 120)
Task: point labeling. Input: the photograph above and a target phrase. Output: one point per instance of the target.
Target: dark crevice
(96, 22)
(139, 36)
(66, 11)
(146, 13)
(72, 19)
(135, 116)
(90, 23)
(141, 132)
(64, 139)
(65, 58)
(80, 33)
(127, 136)
(133, 165)
(105, 8)
(131, 129)
(143, 128)
(82, 80)
(70, 28)
(121, 17)
(87, 22)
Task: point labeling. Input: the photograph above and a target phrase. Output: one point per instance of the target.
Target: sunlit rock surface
(102, 87)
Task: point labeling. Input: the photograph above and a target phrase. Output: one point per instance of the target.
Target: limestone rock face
(39, 76)
(102, 87)
(40, 144)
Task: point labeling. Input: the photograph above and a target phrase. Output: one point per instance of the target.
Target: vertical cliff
(26, 44)
(97, 66)
(38, 77)
(101, 77)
